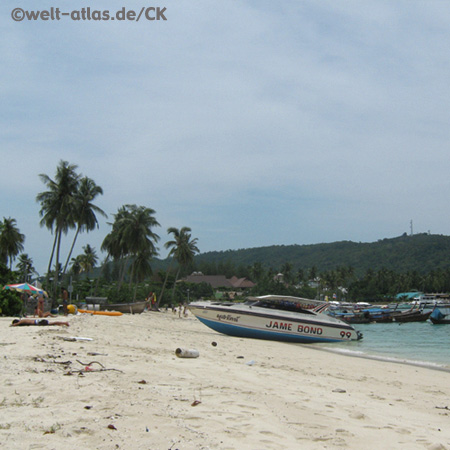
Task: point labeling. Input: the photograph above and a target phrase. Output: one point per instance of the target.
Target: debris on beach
(340, 391)
(187, 353)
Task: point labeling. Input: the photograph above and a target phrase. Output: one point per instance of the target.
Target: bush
(10, 303)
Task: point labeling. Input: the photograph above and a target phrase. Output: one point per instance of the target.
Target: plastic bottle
(186, 353)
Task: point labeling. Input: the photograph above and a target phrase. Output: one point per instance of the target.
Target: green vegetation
(421, 252)
(131, 270)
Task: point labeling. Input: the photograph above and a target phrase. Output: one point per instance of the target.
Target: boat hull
(415, 316)
(260, 324)
(127, 308)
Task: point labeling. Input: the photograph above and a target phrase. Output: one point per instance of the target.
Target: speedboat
(275, 317)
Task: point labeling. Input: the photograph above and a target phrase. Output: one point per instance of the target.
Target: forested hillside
(422, 253)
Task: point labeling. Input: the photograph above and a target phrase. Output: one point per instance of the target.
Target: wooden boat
(130, 308)
(356, 317)
(275, 317)
(412, 316)
(438, 318)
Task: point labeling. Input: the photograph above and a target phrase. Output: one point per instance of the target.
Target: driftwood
(87, 366)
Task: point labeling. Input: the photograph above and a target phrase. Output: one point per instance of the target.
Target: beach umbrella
(25, 287)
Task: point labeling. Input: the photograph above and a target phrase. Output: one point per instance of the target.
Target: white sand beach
(240, 394)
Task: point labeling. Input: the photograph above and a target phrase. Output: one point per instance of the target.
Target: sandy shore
(240, 394)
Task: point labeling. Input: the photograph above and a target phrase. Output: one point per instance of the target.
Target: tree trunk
(175, 282)
(164, 286)
(71, 250)
(51, 256)
(56, 281)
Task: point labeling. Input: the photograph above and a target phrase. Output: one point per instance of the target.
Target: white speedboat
(275, 317)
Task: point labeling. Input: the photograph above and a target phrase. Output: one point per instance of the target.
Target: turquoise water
(420, 343)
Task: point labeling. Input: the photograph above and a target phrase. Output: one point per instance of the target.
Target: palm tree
(25, 266)
(11, 241)
(132, 236)
(57, 206)
(84, 210)
(141, 268)
(75, 268)
(88, 259)
(137, 235)
(182, 249)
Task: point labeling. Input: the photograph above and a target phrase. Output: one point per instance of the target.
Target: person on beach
(40, 308)
(38, 322)
(65, 298)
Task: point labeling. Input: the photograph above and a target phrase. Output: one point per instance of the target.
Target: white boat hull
(261, 323)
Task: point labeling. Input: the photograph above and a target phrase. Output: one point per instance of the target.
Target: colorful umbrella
(25, 287)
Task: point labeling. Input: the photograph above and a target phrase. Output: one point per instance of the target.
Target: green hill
(422, 253)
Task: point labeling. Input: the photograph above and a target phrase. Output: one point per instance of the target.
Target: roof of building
(219, 281)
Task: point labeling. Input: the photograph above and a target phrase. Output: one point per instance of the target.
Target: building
(219, 281)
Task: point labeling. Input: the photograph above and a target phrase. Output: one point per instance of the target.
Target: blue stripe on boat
(255, 333)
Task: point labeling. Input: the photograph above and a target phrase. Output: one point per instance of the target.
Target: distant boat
(130, 308)
(438, 318)
(412, 316)
(428, 301)
(276, 318)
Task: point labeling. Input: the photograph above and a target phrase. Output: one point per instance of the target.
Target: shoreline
(389, 359)
(240, 393)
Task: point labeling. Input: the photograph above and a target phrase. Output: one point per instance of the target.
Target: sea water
(419, 343)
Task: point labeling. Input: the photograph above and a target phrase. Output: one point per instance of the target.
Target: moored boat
(427, 302)
(130, 308)
(412, 316)
(438, 318)
(273, 317)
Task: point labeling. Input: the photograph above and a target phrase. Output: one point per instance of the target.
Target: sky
(254, 123)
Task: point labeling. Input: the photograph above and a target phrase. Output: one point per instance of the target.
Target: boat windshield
(283, 305)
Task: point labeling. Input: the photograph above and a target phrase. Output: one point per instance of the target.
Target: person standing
(65, 300)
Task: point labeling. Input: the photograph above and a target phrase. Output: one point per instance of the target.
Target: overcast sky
(253, 122)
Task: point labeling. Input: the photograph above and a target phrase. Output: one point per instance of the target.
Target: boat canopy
(289, 303)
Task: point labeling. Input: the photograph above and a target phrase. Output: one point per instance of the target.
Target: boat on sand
(131, 308)
(275, 317)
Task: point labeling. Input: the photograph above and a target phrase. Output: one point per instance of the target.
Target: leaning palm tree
(182, 249)
(57, 205)
(84, 210)
(11, 241)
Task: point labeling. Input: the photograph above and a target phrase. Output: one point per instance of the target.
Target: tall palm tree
(113, 243)
(137, 234)
(57, 205)
(84, 210)
(11, 241)
(141, 268)
(131, 236)
(182, 249)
